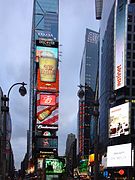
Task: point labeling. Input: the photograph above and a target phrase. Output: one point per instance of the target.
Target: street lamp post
(5, 110)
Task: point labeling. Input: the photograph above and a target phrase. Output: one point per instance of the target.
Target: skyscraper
(116, 67)
(44, 79)
(88, 75)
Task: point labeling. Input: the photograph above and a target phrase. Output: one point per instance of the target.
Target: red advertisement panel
(47, 115)
(47, 99)
(48, 86)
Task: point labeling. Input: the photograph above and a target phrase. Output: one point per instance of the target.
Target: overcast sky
(15, 39)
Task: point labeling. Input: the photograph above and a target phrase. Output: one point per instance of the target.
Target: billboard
(55, 166)
(40, 163)
(119, 120)
(47, 114)
(120, 33)
(47, 99)
(83, 166)
(44, 143)
(48, 86)
(119, 155)
(45, 46)
(44, 127)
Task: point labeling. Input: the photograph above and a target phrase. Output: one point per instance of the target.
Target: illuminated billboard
(119, 155)
(40, 163)
(83, 165)
(45, 46)
(120, 33)
(55, 166)
(47, 114)
(119, 120)
(47, 56)
(47, 99)
(44, 143)
(48, 86)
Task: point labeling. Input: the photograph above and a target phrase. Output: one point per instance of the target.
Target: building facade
(88, 75)
(44, 81)
(116, 74)
(71, 155)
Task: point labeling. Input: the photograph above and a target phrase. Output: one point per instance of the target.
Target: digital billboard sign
(55, 166)
(44, 46)
(119, 155)
(44, 143)
(47, 99)
(48, 86)
(47, 114)
(120, 33)
(119, 120)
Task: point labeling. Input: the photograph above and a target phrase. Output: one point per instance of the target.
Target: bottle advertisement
(47, 114)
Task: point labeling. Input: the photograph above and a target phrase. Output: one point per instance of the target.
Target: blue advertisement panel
(120, 33)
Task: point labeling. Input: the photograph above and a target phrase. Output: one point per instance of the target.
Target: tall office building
(88, 75)
(116, 67)
(44, 80)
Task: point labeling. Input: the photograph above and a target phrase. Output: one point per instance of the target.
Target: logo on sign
(47, 100)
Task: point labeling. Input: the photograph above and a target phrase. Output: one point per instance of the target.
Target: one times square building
(44, 82)
(117, 75)
(88, 76)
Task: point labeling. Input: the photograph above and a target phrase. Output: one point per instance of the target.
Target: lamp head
(22, 90)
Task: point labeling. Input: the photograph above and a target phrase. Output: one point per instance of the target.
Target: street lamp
(5, 110)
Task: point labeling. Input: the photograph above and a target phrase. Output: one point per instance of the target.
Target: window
(128, 63)
(133, 91)
(128, 72)
(134, 37)
(134, 28)
(133, 82)
(133, 46)
(133, 55)
(129, 28)
(128, 54)
(133, 73)
(129, 18)
(129, 37)
(134, 64)
(128, 81)
(129, 46)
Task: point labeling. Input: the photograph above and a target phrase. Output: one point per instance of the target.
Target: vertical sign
(120, 33)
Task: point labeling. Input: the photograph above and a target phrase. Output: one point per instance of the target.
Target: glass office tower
(88, 75)
(44, 38)
(116, 74)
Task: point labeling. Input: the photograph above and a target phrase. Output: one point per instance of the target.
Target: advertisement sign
(47, 115)
(44, 133)
(91, 158)
(40, 163)
(55, 166)
(83, 166)
(46, 127)
(120, 31)
(47, 143)
(119, 120)
(119, 155)
(48, 86)
(47, 99)
(46, 47)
